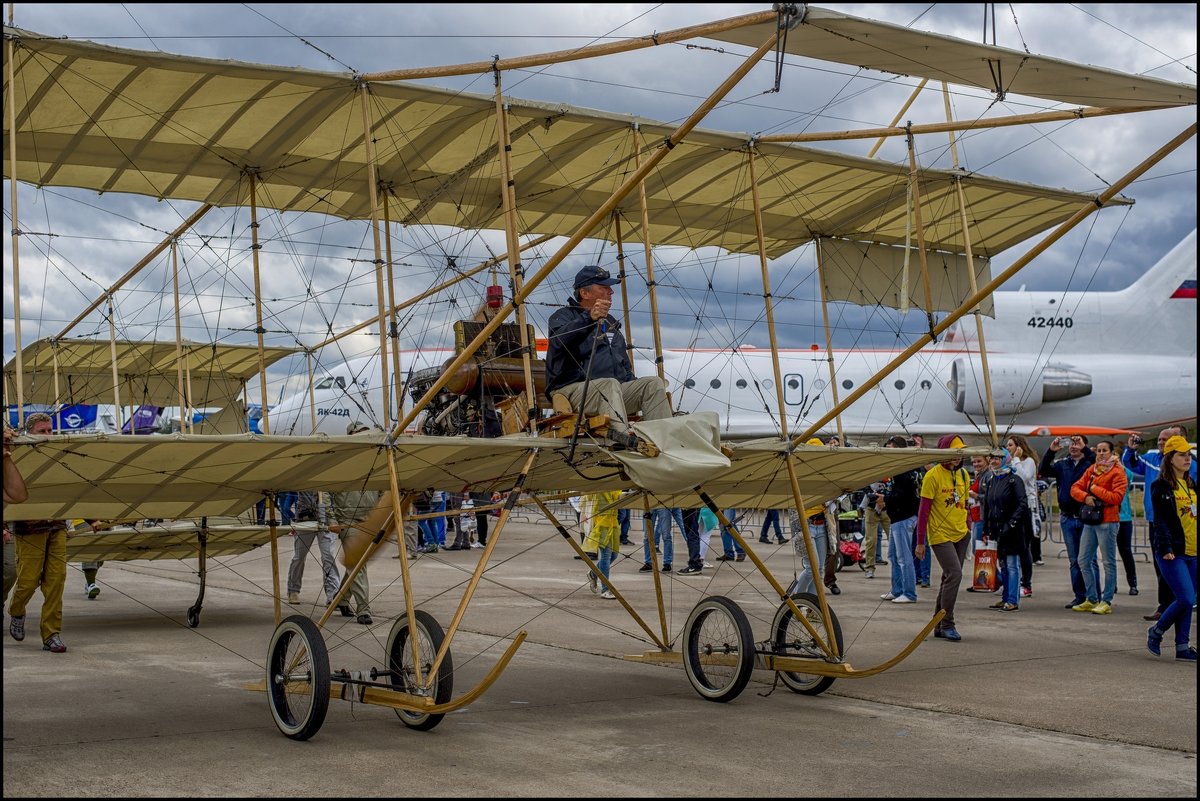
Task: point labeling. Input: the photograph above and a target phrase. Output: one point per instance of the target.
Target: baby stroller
(850, 540)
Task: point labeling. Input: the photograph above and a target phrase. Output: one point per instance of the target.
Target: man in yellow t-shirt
(942, 523)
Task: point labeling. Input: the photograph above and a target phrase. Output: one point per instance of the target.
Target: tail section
(1160, 307)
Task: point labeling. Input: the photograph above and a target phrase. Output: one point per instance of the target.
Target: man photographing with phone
(1065, 473)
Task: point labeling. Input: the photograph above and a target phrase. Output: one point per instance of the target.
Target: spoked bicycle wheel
(791, 638)
(298, 677)
(428, 639)
(718, 649)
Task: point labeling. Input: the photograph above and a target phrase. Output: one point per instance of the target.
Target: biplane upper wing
(161, 125)
(186, 476)
(841, 38)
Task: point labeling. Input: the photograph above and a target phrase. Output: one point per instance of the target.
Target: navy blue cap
(594, 275)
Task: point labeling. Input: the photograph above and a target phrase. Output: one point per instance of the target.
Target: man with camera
(1066, 472)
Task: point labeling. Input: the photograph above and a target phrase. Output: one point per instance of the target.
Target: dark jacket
(1166, 532)
(1004, 512)
(902, 497)
(573, 343)
(1066, 472)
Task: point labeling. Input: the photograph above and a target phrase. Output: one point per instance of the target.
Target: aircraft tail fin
(1161, 304)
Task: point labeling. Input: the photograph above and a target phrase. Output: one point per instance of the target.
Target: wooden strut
(591, 565)
(1083, 213)
(962, 211)
(516, 271)
(797, 496)
(505, 514)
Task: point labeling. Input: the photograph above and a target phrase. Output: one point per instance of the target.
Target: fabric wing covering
(175, 540)
(832, 36)
(146, 371)
(180, 476)
(167, 126)
(878, 275)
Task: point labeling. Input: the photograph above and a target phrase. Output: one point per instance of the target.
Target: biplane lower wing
(178, 476)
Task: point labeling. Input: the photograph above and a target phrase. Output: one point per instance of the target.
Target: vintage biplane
(381, 148)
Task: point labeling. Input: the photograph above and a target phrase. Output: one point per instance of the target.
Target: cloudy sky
(79, 242)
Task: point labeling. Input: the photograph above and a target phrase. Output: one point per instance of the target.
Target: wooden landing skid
(792, 664)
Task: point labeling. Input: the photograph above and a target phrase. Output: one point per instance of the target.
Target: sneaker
(741, 557)
(430, 549)
(1102, 608)
(1009, 608)
(997, 605)
(666, 568)
(834, 589)
(478, 546)
(1154, 640)
(707, 566)
(593, 582)
(1086, 606)
(293, 597)
(54, 645)
(92, 591)
(1133, 591)
(364, 618)
(904, 599)
(688, 571)
(871, 573)
(887, 596)
(1076, 602)
(608, 596)
(1026, 592)
(1186, 653)
(1039, 563)
(951, 634)
(16, 627)
(645, 568)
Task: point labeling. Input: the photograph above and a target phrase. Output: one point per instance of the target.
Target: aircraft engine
(1018, 385)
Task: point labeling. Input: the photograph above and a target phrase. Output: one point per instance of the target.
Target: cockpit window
(326, 383)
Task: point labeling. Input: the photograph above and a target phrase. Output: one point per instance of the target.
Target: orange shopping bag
(983, 574)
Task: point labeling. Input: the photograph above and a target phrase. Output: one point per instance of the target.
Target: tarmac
(1040, 702)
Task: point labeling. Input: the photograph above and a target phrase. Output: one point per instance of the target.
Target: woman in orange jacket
(1104, 485)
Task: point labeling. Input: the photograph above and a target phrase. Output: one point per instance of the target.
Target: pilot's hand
(600, 308)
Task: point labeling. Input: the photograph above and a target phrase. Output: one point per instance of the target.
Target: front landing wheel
(298, 677)
(791, 638)
(427, 640)
(718, 649)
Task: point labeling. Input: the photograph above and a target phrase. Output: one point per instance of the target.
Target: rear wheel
(298, 677)
(718, 649)
(426, 635)
(791, 638)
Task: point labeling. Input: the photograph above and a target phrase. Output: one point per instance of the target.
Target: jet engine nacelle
(1018, 385)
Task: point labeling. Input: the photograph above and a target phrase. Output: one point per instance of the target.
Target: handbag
(1091, 515)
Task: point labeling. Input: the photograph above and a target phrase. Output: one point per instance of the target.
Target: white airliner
(1060, 362)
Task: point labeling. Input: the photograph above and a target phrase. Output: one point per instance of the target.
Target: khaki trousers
(608, 396)
(41, 563)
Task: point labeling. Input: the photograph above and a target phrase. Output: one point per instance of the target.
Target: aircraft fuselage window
(691, 382)
(899, 385)
(847, 384)
(793, 384)
(926, 385)
(741, 383)
(715, 383)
